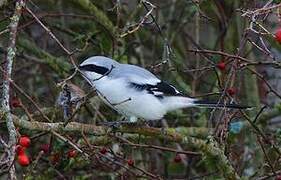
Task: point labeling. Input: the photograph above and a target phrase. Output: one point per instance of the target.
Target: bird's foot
(153, 123)
(116, 124)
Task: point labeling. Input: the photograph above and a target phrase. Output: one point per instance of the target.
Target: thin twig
(157, 147)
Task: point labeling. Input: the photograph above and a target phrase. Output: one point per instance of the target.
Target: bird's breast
(113, 90)
(126, 100)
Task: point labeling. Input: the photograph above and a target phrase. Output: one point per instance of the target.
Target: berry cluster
(24, 142)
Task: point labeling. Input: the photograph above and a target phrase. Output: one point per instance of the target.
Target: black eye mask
(93, 68)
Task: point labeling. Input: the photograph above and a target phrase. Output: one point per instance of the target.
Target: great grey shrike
(135, 92)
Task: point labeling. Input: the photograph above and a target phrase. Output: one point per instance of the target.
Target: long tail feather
(204, 103)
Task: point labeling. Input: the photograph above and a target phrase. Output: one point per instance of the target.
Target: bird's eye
(94, 68)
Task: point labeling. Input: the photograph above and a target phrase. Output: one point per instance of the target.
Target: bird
(135, 92)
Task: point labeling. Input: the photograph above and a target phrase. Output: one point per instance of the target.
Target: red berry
(45, 148)
(278, 177)
(221, 65)
(24, 141)
(278, 35)
(103, 150)
(231, 91)
(72, 153)
(177, 158)
(15, 102)
(130, 162)
(23, 160)
(20, 150)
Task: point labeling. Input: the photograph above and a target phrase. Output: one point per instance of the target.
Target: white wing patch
(157, 93)
(159, 90)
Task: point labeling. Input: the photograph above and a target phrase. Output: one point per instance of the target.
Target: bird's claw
(116, 124)
(113, 125)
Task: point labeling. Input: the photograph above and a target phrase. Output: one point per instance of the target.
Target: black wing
(159, 90)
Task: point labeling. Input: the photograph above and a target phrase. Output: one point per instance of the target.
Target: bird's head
(95, 67)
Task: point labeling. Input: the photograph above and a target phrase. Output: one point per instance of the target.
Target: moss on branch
(209, 148)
